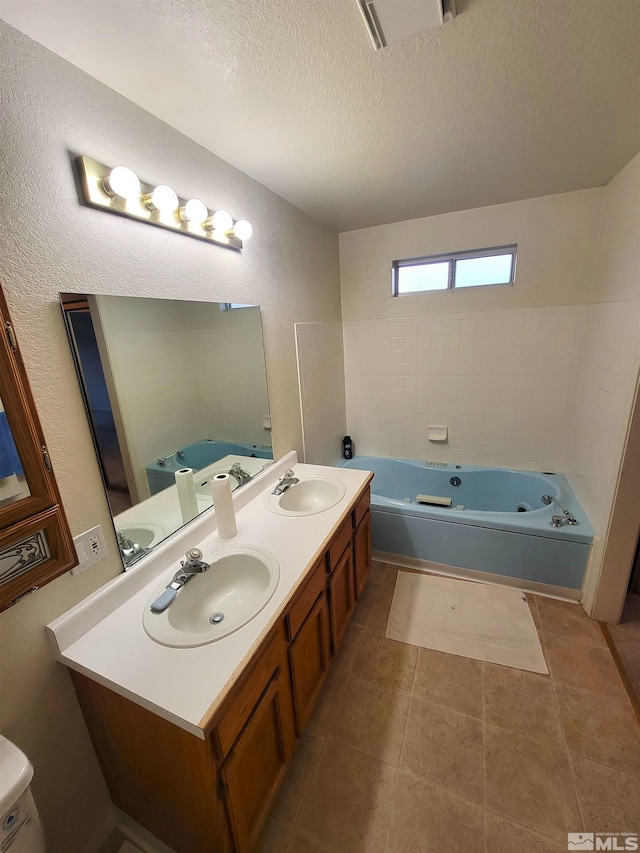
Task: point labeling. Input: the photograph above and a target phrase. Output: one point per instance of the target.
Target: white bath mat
(473, 620)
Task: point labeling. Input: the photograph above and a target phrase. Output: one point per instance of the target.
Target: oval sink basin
(214, 604)
(143, 533)
(308, 497)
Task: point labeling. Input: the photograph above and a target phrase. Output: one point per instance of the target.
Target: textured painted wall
(49, 243)
(556, 237)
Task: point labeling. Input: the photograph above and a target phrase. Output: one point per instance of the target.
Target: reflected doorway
(98, 404)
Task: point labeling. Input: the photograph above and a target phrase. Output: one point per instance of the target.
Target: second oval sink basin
(213, 604)
(143, 533)
(307, 497)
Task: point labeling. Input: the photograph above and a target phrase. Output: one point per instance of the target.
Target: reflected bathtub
(497, 523)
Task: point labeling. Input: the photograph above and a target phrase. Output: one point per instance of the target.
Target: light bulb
(123, 182)
(163, 198)
(194, 211)
(242, 229)
(221, 221)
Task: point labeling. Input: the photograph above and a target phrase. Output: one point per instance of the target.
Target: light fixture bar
(100, 192)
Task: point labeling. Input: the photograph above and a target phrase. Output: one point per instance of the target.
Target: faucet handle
(193, 556)
(289, 473)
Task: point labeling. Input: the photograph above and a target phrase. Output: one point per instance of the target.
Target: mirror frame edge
(42, 510)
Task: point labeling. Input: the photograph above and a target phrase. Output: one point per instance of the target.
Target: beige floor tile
(364, 606)
(449, 680)
(522, 702)
(529, 782)
(502, 836)
(371, 718)
(600, 728)
(275, 837)
(583, 666)
(533, 607)
(348, 805)
(426, 819)
(569, 621)
(444, 748)
(298, 778)
(348, 647)
(385, 661)
(630, 657)
(327, 702)
(610, 800)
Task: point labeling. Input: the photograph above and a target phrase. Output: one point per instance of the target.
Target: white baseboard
(139, 836)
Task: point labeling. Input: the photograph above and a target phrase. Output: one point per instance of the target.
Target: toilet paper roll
(186, 494)
(223, 506)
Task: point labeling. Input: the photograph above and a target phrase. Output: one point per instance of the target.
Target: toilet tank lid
(16, 773)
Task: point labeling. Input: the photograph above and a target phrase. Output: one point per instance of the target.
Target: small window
(478, 268)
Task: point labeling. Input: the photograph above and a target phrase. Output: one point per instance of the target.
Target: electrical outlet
(90, 548)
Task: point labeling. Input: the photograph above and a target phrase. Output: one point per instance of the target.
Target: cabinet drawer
(361, 507)
(240, 704)
(305, 599)
(340, 542)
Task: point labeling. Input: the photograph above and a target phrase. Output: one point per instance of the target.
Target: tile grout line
(564, 737)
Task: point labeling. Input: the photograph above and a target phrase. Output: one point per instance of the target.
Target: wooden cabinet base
(214, 795)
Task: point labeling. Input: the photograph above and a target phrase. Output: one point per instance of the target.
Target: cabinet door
(341, 597)
(309, 661)
(255, 767)
(362, 553)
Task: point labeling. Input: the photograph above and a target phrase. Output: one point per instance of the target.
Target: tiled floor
(626, 637)
(415, 751)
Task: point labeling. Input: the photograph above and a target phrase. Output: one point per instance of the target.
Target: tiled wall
(606, 379)
(499, 380)
(321, 377)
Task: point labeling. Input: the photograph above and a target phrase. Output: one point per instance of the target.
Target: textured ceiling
(513, 99)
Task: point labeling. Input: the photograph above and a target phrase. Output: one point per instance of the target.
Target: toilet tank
(20, 828)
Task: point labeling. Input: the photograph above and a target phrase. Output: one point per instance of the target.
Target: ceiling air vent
(389, 21)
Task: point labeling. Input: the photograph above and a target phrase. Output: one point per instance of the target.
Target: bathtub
(161, 473)
(497, 523)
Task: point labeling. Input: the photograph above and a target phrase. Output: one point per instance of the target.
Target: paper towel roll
(223, 506)
(186, 494)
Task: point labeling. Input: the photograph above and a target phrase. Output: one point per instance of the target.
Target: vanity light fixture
(220, 221)
(194, 211)
(242, 229)
(123, 182)
(162, 198)
(119, 190)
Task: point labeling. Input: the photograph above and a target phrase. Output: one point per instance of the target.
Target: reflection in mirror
(169, 387)
(13, 483)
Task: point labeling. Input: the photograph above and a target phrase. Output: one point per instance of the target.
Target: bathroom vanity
(195, 742)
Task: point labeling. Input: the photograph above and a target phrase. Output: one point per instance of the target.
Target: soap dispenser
(347, 447)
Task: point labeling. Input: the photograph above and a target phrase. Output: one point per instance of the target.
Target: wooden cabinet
(214, 795)
(254, 769)
(307, 621)
(309, 656)
(362, 553)
(341, 596)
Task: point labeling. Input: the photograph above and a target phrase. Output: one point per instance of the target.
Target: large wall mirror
(35, 540)
(170, 387)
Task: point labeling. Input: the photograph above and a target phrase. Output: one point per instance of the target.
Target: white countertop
(103, 636)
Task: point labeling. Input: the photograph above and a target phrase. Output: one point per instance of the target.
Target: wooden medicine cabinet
(36, 545)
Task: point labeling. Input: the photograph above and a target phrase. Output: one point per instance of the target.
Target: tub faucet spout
(559, 520)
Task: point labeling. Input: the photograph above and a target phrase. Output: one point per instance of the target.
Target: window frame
(451, 258)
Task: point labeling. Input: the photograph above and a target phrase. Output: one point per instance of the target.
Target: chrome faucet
(129, 550)
(285, 483)
(192, 565)
(559, 520)
(239, 473)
